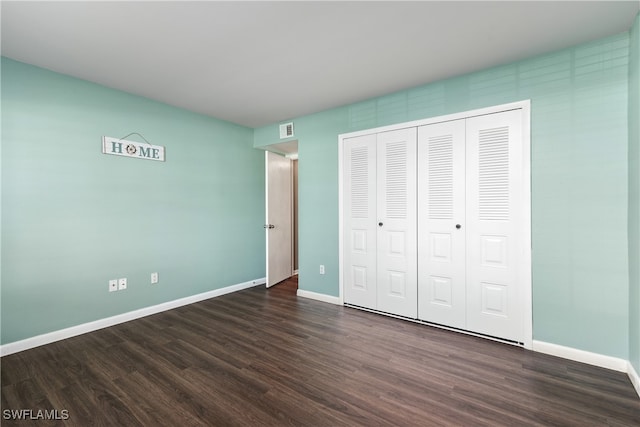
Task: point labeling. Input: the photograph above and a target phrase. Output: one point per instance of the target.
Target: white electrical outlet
(122, 284)
(113, 285)
(321, 269)
(154, 278)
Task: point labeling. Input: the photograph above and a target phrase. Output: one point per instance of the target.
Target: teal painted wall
(579, 182)
(634, 195)
(73, 218)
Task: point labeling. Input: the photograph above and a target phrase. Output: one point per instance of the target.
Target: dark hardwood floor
(265, 357)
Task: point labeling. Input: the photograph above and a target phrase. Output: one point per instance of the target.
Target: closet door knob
(458, 226)
(380, 224)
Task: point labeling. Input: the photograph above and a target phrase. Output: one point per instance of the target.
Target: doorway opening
(281, 214)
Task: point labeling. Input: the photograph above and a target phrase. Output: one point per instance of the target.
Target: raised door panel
(396, 222)
(441, 208)
(359, 267)
(495, 294)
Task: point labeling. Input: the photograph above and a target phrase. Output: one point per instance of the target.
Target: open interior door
(279, 212)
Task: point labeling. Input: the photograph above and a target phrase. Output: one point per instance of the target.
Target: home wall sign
(127, 148)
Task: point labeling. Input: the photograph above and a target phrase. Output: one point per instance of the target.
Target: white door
(397, 286)
(495, 225)
(278, 224)
(441, 220)
(359, 216)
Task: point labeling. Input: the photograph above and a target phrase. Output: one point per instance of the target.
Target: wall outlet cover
(154, 278)
(122, 284)
(113, 285)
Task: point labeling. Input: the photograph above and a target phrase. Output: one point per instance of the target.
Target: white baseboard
(633, 376)
(319, 297)
(608, 362)
(17, 346)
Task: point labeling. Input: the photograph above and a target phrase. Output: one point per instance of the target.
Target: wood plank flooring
(265, 357)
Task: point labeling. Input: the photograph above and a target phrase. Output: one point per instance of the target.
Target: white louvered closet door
(396, 209)
(495, 249)
(441, 224)
(359, 221)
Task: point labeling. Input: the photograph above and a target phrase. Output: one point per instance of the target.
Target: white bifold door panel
(495, 204)
(359, 216)
(396, 237)
(441, 200)
(380, 243)
(470, 222)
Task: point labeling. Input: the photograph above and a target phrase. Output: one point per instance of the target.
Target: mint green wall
(579, 182)
(73, 218)
(634, 195)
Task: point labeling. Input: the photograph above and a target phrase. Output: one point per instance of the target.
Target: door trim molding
(525, 106)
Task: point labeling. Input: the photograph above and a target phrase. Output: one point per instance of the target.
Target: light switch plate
(122, 284)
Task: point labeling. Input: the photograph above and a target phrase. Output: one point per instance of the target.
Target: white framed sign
(126, 148)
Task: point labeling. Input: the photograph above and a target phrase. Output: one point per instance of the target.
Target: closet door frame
(525, 250)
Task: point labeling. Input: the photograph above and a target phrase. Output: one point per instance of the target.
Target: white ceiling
(256, 63)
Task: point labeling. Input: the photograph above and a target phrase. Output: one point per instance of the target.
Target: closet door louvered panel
(359, 275)
(441, 207)
(494, 217)
(396, 208)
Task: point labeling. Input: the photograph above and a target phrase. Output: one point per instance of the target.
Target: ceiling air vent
(286, 130)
